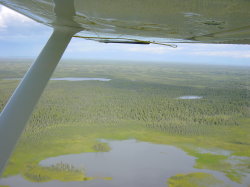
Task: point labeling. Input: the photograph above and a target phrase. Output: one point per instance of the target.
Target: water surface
(190, 97)
(71, 79)
(80, 79)
(129, 163)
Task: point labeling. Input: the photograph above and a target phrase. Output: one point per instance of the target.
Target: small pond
(129, 163)
(190, 97)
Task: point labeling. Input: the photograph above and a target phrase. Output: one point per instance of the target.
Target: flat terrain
(142, 101)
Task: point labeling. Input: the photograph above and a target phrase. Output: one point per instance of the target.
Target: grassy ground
(139, 102)
(194, 180)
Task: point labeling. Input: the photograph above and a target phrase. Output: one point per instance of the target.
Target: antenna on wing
(123, 40)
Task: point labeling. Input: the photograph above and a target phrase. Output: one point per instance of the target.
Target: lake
(80, 79)
(71, 79)
(129, 163)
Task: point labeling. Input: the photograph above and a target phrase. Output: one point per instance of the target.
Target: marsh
(134, 127)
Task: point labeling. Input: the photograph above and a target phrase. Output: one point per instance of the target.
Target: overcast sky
(23, 37)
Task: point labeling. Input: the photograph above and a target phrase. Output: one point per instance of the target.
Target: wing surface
(195, 21)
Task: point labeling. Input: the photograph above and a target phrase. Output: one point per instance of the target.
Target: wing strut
(20, 106)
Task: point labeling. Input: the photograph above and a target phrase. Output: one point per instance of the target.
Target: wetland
(153, 124)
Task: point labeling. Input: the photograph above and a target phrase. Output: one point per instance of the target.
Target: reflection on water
(190, 97)
(214, 151)
(71, 79)
(128, 163)
(80, 79)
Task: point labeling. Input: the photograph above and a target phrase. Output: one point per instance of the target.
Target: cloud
(152, 49)
(220, 50)
(148, 49)
(79, 45)
(233, 54)
(16, 28)
(8, 16)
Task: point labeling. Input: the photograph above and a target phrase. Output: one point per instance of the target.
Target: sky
(21, 37)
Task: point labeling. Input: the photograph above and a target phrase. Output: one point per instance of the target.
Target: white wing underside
(162, 21)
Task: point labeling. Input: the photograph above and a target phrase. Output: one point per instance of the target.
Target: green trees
(145, 94)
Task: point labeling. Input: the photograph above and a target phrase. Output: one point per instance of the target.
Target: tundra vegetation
(194, 180)
(141, 102)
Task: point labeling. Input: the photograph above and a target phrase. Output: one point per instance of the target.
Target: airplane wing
(162, 21)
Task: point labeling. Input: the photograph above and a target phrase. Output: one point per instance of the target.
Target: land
(140, 102)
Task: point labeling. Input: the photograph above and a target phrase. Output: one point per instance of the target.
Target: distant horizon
(67, 60)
